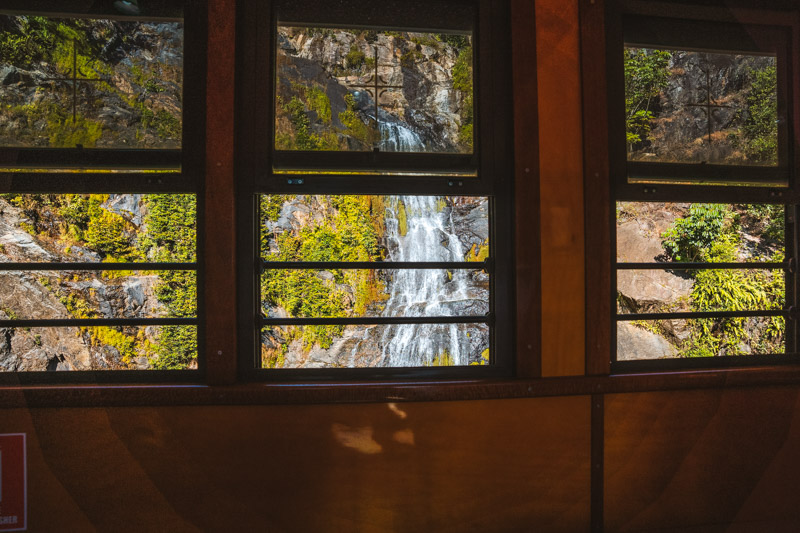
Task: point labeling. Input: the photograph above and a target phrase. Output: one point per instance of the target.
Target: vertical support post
(597, 204)
(526, 190)
(219, 220)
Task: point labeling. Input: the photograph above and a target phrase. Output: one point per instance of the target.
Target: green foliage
(170, 236)
(402, 218)
(690, 237)
(167, 125)
(355, 127)
(478, 253)
(355, 57)
(68, 134)
(456, 41)
(761, 126)
(709, 234)
(303, 138)
(462, 82)
(443, 359)
(646, 74)
(347, 231)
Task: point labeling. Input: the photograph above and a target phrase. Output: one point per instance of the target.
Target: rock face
(420, 110)
(637, 343)
(680, 128)
(58, 295)
(137, 104)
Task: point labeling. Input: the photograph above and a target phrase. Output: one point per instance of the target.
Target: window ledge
(139, 395)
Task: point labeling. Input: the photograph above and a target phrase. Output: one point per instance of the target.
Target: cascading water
(420, 228)
(398, 138)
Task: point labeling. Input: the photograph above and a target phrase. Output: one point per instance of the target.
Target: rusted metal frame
(670, 173)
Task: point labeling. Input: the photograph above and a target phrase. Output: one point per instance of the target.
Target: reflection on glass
(98, 348)
(670, 339)
(378, 229)
(394, 346)
(365, 90)
(95, 83)
(691, 107)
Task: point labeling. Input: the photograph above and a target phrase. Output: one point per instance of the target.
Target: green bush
(689, 238)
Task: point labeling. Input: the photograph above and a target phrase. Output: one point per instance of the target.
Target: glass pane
(36, 228)
(98, 348)
(673, 291)
(96, 83)
(365, 90)
(405, 345)
(374, 228)
(710, 233)
(692, 107)
(103, 294)
(371, 293)
(669, 339)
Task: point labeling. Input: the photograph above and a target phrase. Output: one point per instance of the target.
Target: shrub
(690, 237)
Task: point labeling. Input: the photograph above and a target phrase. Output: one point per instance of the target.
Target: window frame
(614, 167)
(256, 175)
(121, 171)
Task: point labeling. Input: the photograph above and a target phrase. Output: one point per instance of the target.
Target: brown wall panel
(497, 465)
(702, 460)
(561, 175)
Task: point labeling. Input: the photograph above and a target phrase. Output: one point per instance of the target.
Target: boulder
(635, 343)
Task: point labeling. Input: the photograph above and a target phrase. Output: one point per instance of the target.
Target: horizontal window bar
(14, 157)
(35, 323)
(379, 265)
(97, 266)
(703, 266)
(367, 321)
(699, 314)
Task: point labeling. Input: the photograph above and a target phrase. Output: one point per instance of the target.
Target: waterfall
(397, 138)
(420, 228)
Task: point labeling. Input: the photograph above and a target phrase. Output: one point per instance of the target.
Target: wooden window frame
(263, 168)
(606, 165)
(119, 171)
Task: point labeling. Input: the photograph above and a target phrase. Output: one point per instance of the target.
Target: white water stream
(429, 236)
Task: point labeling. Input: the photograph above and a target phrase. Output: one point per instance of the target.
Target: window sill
(140, 395)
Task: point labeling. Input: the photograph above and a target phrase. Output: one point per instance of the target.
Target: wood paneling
(703, 460)
(561, 177)
(500, 465)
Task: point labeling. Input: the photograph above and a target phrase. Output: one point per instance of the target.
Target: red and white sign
(13, 483)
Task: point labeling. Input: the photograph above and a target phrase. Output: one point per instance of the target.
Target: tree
(646, 74)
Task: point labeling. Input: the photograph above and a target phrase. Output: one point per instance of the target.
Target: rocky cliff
(326, 91)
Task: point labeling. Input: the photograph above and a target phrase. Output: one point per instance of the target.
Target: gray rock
(634, 343)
